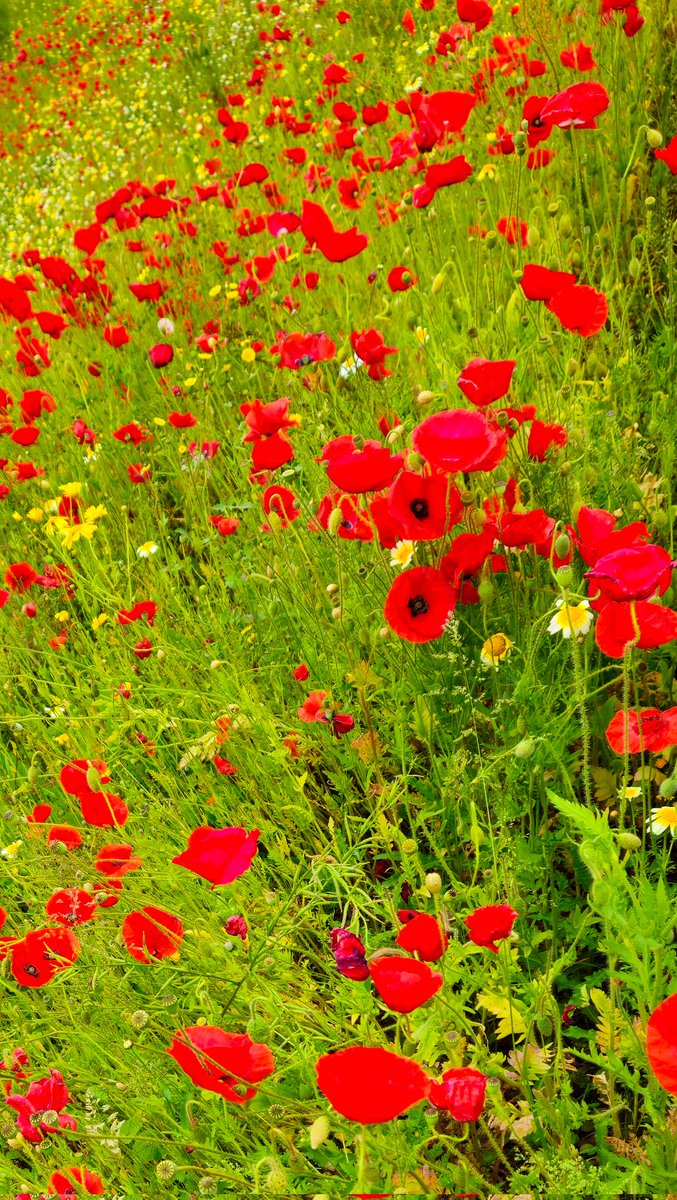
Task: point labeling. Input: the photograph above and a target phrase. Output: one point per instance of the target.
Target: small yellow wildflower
(62, 617)
(495, 649)
(248, 355)
(71, 489)
(10, 852)
(571, 618)
(402, 554)
(35, 514)
(663, 820)
(95, 512)
(99, 621)
(147, 549)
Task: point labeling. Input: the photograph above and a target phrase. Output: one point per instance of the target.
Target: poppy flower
(301, 673)
(634, 623)
(483, 382)
(71, 906)
(579, 57)
(576, 106)
(651, 730)
(318, 229)
(41, 954)
(151, 934)
(421, 934)
(75, 777)
(349, 954)
(370, 1085)
(632, 573)
(219, 855)
(67, 837)
(542, 437)
(460, 1092)
(182, 420)
(668, 155)
(221, 1062)
(596, 534)
(282, 501)
(368, 469)
(404, 984)
(63, 1182)
(116, 336)
(298, 350)
(369, 346)
(540, 283)
(425, 507)
(20, 576)
(161, 354)
(460, 440)
(102, 809)
(48, 1095)
(580, 309)
(400, 279)
(490, 924)
(116, 860)
(419, 604)
(661, 1043)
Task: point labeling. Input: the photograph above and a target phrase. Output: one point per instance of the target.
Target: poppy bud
(424, 397)
(433, 882)
(319, 1132)
(416, 462)
(334, 522)
(562, 545)
(553, 208)
(565, 468)
(565, 576)
(650, 202)
(93, 779)
(336, 614)
(668, 789)
(533, 237)
(29, 610)
(437, 284)
(628, 841)
(525, 748)
(214, 664)
(634, 268)
(275, 523)
(491, 239)
(520, 140)
(654, 138)
(32, 775)
(544, 1025)
(565, 226)
(485, 590)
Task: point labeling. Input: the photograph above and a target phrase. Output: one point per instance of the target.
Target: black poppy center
(31, 970)
(304, 360)
(420, 508)
(536, 123)
(418, 606)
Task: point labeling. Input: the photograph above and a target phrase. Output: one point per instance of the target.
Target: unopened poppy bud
(668, 789)
(394, 435)
(433, 882)
(416, 463)
(274, 523)
(161, 655)
(476, 836)
(437, 284)
(513, 425)
(319, 1132)
(424, 397)
(93, 779)
(553, 208)
(276, 1180)
(525, 748)
(332, 589)
(650, 201)
(562, 545)
(214, 664)
(566, 227)
(520, 140)
(485, 590)
(491, 238)
(634, 268)
(628, 841)
(166, 1170)
(565, 468)
(654, 138)
(32, 775)
(336, 614)
(533, 236)
(334, 522)
(565, 576)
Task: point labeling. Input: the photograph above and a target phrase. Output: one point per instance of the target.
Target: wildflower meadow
(338, 626)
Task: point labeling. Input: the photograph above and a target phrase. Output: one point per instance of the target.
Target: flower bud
(437, 284)
(562, 545)
(566, 227)
(319, 1132)
(668, 789)
(628, 841)
(525, 748)
(93, 779)
(520, 140)
(424, 397)
(654, 138)
(433, 882)
(334, 522)
(32, 775)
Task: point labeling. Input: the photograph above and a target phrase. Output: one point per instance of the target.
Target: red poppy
(661, 1043)
(116, 336)
(444, 174)
(298, 350)
(62, 1183)
(650, 730)
(219, 855)
(460, 1092)
(349, 954)
(223, 766)
(71, 906)
(597, 536)
(313, 708)
(634, 623)
(632, 573)
(301, 673)
(221, 1062)
(161, 354)
(102, 809)
(425, 507)
(513, 231)
(42, 954)
(460, 440)
(542, 437)
(400, 279)
(404, 984)
(117, 860)
(67, 835)
(282, 501)
(369, 346)
(483, 382)
(419, 604)
(182, 420)
(370, 1085)
(75, 777)
(540, 283)
(577, 106)
(580, 309)
(490, 924)
(152, 934)
(40, 814)
(20, 576)
(579, 57)
(421, 934)
(318, 229)
(668, 155)
(368, 469)
(48, 1095)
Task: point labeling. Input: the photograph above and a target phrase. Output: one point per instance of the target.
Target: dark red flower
(404, 984)
(425, 507)
(236, 926)
(367, 469)
(151, 934)
(460, 1092)
(650, 730)
(349, 954)
(490, 924)
(221, 1062)
(419, 604)
(370, 1085)
(483, 382)
(219, 855)
(632, 573)
(661, 1043)
(421, 934)
(460, 440)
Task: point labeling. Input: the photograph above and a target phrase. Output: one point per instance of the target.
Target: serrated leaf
(510, 1020)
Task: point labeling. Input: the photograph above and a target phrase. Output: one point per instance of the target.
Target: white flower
(165, 325)
(402, 554)
(571, 618)
(146, 550)
(662, 820)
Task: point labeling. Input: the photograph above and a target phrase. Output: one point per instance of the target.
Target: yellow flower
(495, 649)
(10, 852)
(71, 489)
(662, 820)
(63, 739)
(99, 621)
(94, 513)
(421, 335)
(215, 290)
(402, 554)
(248, 355)
(35, 514)
(147, 549)
(63, 617)
(571, 618)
